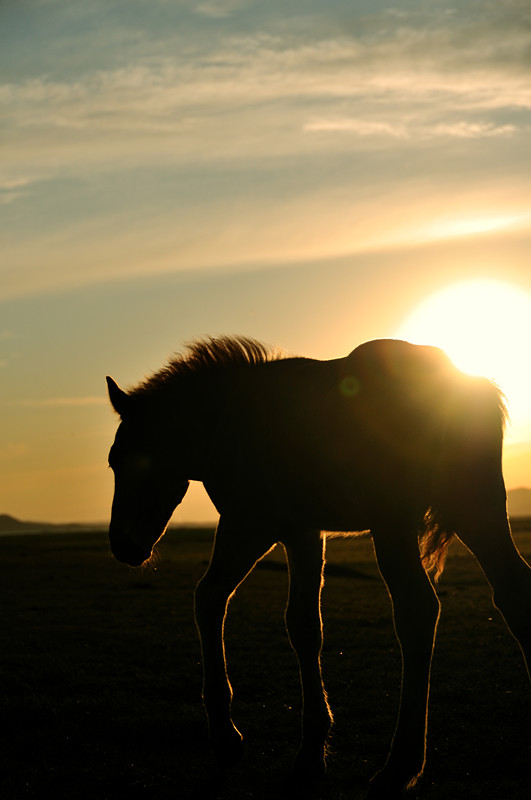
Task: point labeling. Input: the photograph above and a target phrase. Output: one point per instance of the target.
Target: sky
(309, 174)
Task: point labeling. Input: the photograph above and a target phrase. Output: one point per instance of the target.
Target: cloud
(359, 127)
(12, 189)
(247, 103)
(290, 142)
(295, 218)
(472, 130)
(235, 98)
(374, 128)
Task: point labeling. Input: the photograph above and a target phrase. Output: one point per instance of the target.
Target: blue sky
(304, 173)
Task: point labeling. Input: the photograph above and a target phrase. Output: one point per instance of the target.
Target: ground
(101, 677)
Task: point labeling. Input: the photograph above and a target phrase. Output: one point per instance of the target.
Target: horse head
(148, 486)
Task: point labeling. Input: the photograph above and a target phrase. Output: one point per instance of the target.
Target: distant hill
(9, 524)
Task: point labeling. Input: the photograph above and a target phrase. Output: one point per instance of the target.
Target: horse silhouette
(391, 439)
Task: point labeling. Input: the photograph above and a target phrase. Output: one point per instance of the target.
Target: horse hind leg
(415, 612)
(305, 552)
(235, 553)
(488, 537)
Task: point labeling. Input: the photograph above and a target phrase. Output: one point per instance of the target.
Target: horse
(392, 440)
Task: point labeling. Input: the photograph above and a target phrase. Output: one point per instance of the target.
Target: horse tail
(435, 539)
(467, 471)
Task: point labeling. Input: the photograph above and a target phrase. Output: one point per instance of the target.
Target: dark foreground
(101, 679)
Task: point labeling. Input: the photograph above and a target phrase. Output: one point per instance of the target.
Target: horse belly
(326, 503)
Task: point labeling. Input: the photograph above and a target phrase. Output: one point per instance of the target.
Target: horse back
(392, 424)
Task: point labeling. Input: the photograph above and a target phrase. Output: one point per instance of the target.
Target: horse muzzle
(127, 551)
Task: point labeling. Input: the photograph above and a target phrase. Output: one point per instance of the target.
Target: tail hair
(434, 540)
(474, 436)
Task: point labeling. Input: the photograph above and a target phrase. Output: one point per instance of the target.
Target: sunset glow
(485, 328)
(312, 175)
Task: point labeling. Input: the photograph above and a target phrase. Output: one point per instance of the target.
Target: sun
(485, 328)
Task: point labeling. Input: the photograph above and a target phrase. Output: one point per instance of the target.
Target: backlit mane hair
(223, 352)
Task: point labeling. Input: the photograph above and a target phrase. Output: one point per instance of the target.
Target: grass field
(101, 677)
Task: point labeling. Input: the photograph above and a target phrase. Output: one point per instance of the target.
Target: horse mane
(207, 355)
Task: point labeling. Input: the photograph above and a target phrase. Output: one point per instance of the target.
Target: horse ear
(119, 399)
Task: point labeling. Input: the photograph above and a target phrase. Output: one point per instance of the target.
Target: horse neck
(194, 414)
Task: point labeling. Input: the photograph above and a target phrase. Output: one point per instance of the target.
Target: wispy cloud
(237, 97)
(358, 127)
(12, 189)
(472, 130)
(412, 130)
(256, 70)
(225, 115)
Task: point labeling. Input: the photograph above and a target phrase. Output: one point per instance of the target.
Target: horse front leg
(305, 551)
(234, 555)
(416, 612)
